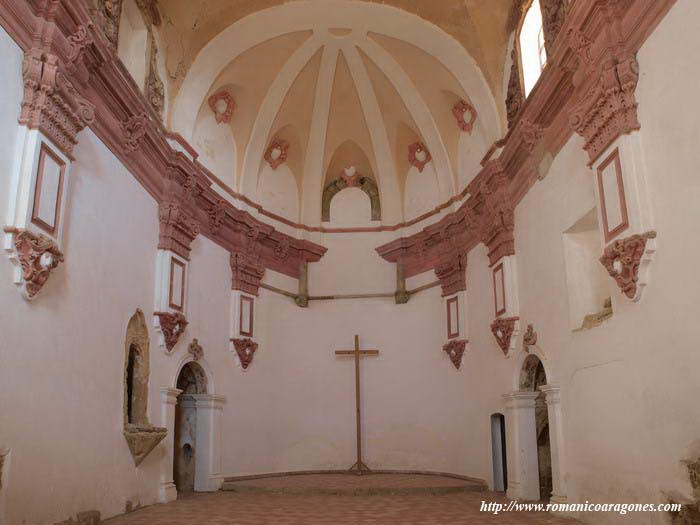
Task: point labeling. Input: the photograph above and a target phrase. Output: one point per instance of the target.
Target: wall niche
(140, 435)
(586, 279)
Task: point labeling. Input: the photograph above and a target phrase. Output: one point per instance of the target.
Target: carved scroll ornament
(245, 349)
(37, 255)
(622, 259)
(173, 325)
(455, 349)
(502, 329)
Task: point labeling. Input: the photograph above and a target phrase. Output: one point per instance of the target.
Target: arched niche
(134, 43)
(192, 379)
(136, 371)
(366, 185)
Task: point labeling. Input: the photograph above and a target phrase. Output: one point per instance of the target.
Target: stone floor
(280, 508)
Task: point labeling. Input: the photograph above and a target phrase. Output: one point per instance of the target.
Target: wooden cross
(359, 467)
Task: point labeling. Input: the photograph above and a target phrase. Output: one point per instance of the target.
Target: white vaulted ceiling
(345, 83)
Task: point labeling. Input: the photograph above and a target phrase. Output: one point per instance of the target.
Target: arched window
(533, 55)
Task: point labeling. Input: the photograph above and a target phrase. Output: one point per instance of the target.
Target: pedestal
(521, 446)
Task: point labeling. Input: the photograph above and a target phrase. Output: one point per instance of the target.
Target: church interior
(349, 261)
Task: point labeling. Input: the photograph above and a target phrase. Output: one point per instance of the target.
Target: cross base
(359, 468)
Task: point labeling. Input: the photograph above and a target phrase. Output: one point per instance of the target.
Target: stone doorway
(533, 377)
(192, 381)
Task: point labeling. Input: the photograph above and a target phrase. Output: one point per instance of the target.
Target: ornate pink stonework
(51, 104)
(276, 153)
(223, 105)
(502, 329)
(134, 130)
(38, 256)
(608, 108)
(455, 349)
(173, 325)
(246, 273)
(529, 338)
(622, 259)
(459, 110)
(178, 228)
(216, 215)
(418, 155)
(282, 249)
(245, 348)
(452, 273)
(530, 133)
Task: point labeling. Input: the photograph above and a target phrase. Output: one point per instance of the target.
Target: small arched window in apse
(533, 55)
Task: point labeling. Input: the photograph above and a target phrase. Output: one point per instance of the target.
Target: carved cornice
(245, 349)
(452, 273)
(37, 255)
(502, 329)
(455, 349)
(173, 325)
(178, 228)
(622, 260)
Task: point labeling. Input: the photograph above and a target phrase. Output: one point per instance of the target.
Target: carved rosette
(609, 108)
(195, 350)
(452, 273)
(276, 153)
(503, 329)
(173, 325)
(459, 110)
(37, 255)
(418, 156)
(622, 260)
(51, 104)
(529, 338)
(223, 105)
(178, 228)
(246, 273)
(245, 349)
(455, 349)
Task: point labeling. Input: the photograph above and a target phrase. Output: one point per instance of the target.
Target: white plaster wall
(422, 193)
(278, 192)
(61, 380)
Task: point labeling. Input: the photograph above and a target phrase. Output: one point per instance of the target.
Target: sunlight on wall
(533, 55)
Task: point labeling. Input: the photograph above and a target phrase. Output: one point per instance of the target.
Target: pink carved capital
(459, 110)
(38, 256)
(418, 155)
(245, 348)
(246, 273)
(223, 105)
(502, 329)
(276, 153)
(622, 259)
(455, 349)
(178, 228)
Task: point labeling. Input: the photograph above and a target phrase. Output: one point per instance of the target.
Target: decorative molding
(51, 104)
(452, 306)
(109, 14)
(222, 105)
(276, 153)
(530, 134)
(133, 131)
(245, 348)
(455, 349)
(553, 17)
(608, 109)
(610, 231)
(37, 255)
(452, 273)
(459, 110)
(418, 155)
(343, 181)
(173, 325)
(529, 338)
(622, 260)
(178, 228)
(50, 228)
(246, 273)
(245, 323)
(499, 300)
(155, 89)
(216, 215)
(515, 96)
(503, 330)
(195, 350)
